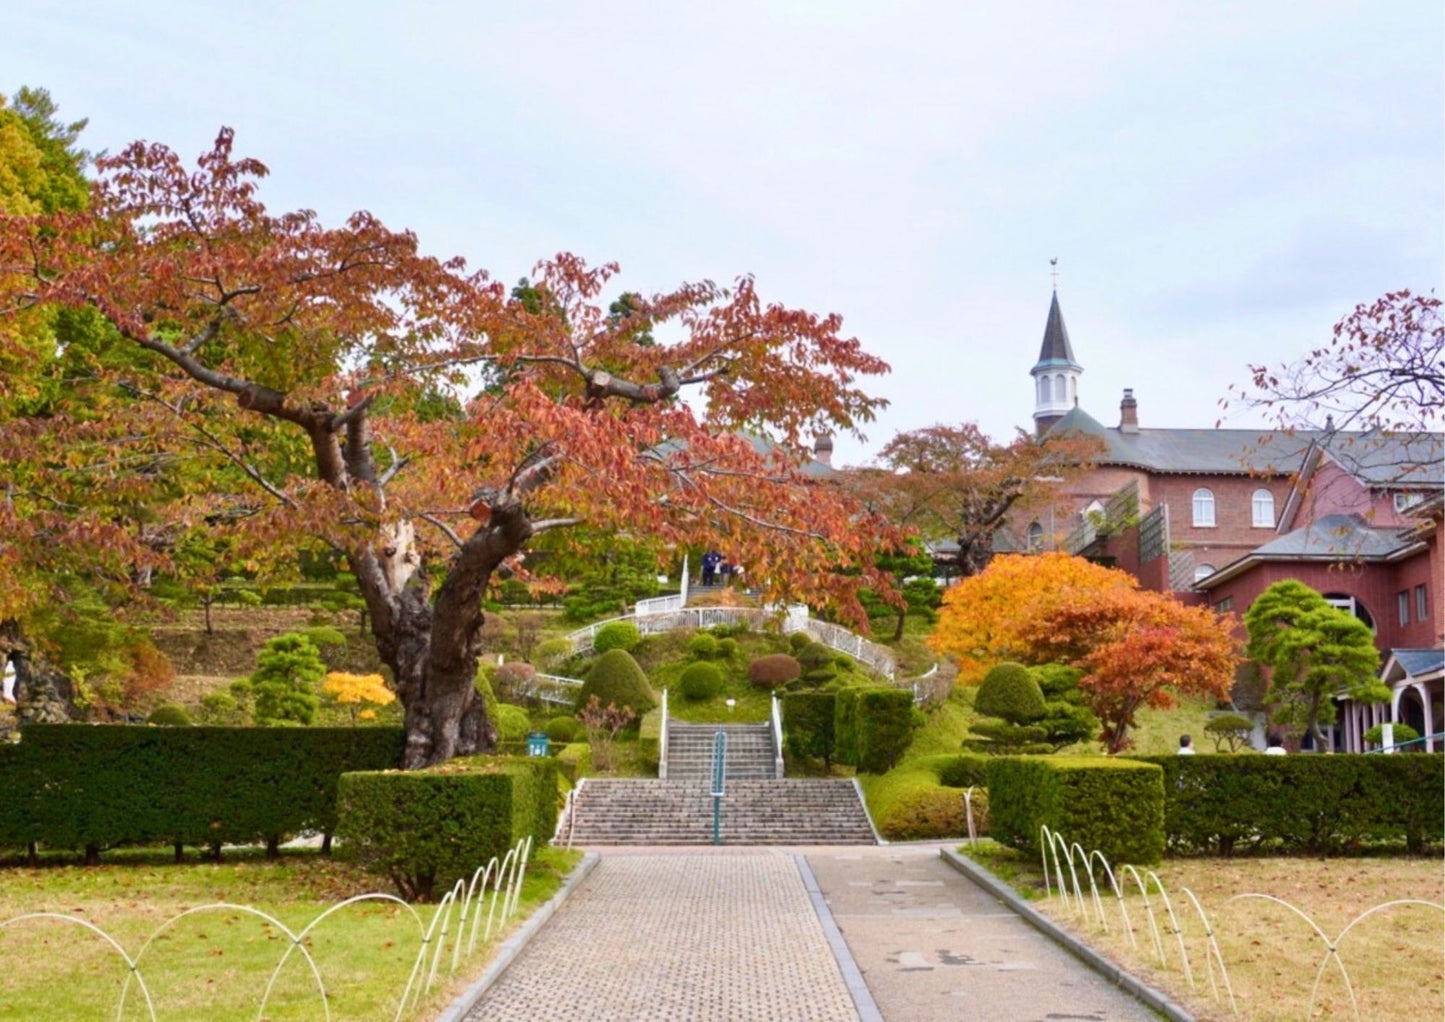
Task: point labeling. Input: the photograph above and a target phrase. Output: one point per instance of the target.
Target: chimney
(1128, 412)
(823, 449)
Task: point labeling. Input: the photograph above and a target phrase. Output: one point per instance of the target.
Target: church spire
(1056, 374)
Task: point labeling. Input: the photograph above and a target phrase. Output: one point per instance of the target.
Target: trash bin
(536, 744)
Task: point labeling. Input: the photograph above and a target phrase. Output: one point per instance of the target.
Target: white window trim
(1198, 519)
(1254, 508)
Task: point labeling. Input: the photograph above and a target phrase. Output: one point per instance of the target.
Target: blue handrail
(1405, 745)
(719, 778)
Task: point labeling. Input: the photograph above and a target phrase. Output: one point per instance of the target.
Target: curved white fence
(505, 878)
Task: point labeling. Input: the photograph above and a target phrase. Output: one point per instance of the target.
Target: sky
(1220, 182)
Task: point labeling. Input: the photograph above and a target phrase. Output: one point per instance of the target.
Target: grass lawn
(215, 964)
(1394, 957)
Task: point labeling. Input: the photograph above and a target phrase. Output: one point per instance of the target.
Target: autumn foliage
(1137, 648)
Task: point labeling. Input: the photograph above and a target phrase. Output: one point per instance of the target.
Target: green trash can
(536, 743)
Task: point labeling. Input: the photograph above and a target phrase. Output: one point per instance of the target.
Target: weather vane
(1054, 272)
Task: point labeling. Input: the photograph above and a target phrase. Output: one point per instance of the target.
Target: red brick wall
(1233, 535)
(1333, 491)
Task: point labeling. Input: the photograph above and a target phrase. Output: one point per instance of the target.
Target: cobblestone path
(670, 938)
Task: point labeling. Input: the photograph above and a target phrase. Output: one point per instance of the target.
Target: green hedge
(885, 727)
(922, 799)
(845, 727)
(1115, 806)
(428, 829)
(1301, 803)
(81, 786)
(649, 737)
(808, 719)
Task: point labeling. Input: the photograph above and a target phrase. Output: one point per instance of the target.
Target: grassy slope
(215, 964)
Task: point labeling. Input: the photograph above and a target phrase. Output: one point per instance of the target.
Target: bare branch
(445, 529)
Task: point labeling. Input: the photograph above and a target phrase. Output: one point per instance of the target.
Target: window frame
(1422, 602)
(1261, 497)
(1402, 606)
(1203, 498)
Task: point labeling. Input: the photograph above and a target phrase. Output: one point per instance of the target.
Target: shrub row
(1114, 806)
(923, 798)
(80, 786)
(869, 728)
(1301, 803)
(428, 829)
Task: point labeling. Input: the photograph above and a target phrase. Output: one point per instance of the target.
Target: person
(709, 567)
(1275, 744)
(1186, 745)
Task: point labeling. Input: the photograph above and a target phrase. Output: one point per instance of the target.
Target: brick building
(1217, 515)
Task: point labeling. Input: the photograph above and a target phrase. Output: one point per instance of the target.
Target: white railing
(550, 688)
(916, 683)
(870, 654)
(662, 742)
(777, 737)
(658, 605)
(687, 617)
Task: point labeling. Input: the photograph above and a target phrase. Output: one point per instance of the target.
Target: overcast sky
(1221, 182)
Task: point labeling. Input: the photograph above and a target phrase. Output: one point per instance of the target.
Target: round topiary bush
(615, 678)
(815, 655)
(169, 715)
(1402, 732)
(703, 646)
(798, 640)
(563, 730)
(701, 681)
(1009, 691)
(513, 680)
(512, 723)
(774, 670)
(726, 648)
(552, 653)
(621, 635)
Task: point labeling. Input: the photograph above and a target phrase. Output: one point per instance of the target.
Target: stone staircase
(750, 752)
(791, 811)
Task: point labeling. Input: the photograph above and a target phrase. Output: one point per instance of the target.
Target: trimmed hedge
(562, 730)
(649, 737)
(923, 798)
(885, 727)
(80, 786)
(428, 829)
(1010, 692)
(1291, 804)
(575, 760)
(773, 670)
(703, 646)
(615, 678)
(700, 681)
(808, 724)
(512, 722)
(1115, 806)
(845, 727)
(621, 635)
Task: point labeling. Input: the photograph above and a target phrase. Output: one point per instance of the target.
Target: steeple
(1056, 374)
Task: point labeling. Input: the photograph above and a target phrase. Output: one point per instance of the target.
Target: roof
(1419, 661)
(1056, 349)
(1409, 461)
(1337, 536)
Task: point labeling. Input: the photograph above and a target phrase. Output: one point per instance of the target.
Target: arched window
(1203, 507)
(1061, 389)
(1203, 571)
(1262, 509)
(1074, 389)
(1036, 537)
(1044, 390)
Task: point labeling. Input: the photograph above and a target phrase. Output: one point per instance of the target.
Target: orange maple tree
(1138, 648)
(955, 483)
(984, 618)
(307, 383)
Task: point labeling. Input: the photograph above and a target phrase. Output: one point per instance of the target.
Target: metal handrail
(719, 779)
(777, 737)
(662, 742)
(1405, 745)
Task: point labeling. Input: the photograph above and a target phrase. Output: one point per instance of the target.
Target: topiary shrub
(773, 670)
(702, 646)
(617, 680)
(221, 708)
(563, 730)
(726, 648)
(427, 830)
(324, 635)
(621, 635)
(1010, 692)
(1113, 806)
(1230, 729)
(798, 640)
(885, 728)
(808, 725)
(552, 654)
(512, 723)
(171, 715)
(923, 798)
(1376, 735)
(814, 655)
(288, 670)
(701, 681)
(845, 726)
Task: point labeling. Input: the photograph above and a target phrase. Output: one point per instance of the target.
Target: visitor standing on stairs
(710, 561)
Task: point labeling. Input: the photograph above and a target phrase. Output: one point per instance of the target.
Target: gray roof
(1337, 536)
(1056, 349)
(1419, 661)
(1405, 460)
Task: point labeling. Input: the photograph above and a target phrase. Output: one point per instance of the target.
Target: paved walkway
(933, 946)
(669, 938)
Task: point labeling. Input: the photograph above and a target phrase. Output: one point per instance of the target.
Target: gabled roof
(1056, 350)
(1331, 539)
(1417, 663)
